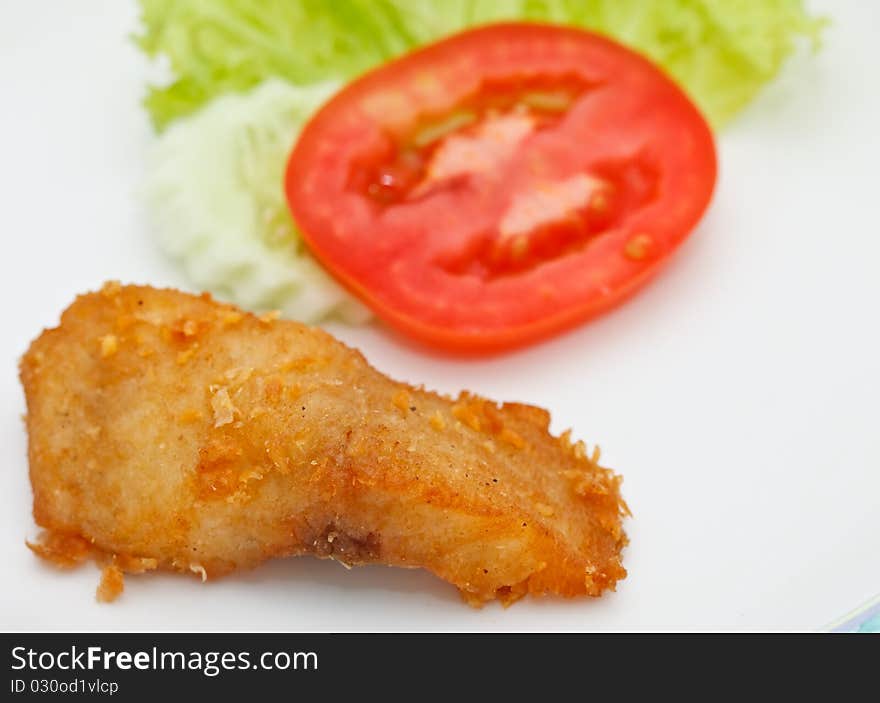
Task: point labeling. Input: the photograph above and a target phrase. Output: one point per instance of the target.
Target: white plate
(738, 394)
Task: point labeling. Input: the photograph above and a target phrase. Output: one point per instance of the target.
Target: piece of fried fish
(168, 430)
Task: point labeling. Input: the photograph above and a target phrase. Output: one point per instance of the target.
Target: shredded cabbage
(720, 51)
(215, 190)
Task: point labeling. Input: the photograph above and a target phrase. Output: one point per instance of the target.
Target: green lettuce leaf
(720, 51)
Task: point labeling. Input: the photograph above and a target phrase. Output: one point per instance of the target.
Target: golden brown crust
(169, 428)
(65, 551)
(112, 584)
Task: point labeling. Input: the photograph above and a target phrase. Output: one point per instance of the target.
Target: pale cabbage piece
(215, 190)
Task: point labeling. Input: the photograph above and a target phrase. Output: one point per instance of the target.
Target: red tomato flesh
(501, 185)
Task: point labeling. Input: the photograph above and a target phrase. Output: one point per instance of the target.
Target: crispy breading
(204, 439)
(112, 584)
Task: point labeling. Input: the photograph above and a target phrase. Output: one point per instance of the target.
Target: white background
(738, 394)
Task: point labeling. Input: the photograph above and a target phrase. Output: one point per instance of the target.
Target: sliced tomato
(501, 185)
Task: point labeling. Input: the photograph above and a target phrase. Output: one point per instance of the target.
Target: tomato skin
(437, 265)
